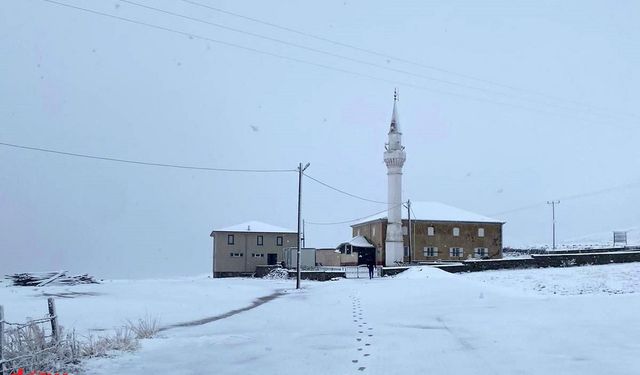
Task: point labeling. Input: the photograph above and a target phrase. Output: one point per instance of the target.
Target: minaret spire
(394, 158)
(395, 124)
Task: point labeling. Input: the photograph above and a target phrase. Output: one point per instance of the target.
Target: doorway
(272, 259)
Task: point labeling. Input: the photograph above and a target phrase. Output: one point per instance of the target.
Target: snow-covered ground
(597, 240)
(604, 279)
(422, 321)
(605, 238)
(94, 308)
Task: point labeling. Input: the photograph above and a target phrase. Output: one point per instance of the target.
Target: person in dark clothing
(371, 267)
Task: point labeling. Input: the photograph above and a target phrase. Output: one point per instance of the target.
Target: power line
(328, 67)
(570, 197)
(291, 44)
(179, 166)
(347, 58)
(342, 191)
(399, 59)
(352, 220)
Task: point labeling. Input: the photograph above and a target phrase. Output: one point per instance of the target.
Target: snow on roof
(359, 241)
(435, 211)
(255, 226)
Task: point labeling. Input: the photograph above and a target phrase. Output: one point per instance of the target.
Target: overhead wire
(138, 162)
(342, 191)
(320, 65)
(352, 220)
(570, 197)
(403, 60)
(274, 55)
(328, 53)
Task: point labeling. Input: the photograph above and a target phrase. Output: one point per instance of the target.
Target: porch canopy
(355, 242)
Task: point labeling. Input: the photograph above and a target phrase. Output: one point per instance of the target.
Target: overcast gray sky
(564, 121)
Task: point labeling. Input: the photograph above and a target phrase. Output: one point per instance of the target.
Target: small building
(357, 251)
(238, 249)
(328, 257)
(438, 233)
(307, 257)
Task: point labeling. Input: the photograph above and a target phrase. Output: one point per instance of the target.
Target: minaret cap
(395, 124)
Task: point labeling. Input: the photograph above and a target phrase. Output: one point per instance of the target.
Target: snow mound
(423, 272)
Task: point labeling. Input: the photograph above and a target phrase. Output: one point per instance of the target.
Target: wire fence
(35, 345)
(352, 272)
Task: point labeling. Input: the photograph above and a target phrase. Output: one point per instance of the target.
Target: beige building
(238, 249)
(438, 232)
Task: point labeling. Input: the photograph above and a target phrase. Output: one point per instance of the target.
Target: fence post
(2, 367)
(54, 319)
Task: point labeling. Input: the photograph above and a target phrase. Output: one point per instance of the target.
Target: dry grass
(31, 349)
(123, 339)
(144, 328)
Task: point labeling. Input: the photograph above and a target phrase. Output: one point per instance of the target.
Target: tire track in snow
(257, 302)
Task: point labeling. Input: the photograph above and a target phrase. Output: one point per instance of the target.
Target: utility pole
(409, 230)
(300, 170)
(553, 216)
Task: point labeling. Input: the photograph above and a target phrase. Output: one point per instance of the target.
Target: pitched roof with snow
(255, 226)
(358, 241)
(435, 211)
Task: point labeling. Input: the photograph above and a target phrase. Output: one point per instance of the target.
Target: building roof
(435, 211)
(254, 227)
(358, 241)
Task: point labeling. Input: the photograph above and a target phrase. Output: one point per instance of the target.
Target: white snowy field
(423, 321)
(604, 279)
(94, 308)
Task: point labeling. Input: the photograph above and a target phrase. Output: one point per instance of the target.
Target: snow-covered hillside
(605, 238)
(607, 279)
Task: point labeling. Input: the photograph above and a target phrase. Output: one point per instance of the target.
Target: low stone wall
(499, 264)
(547, 260)
(452, 268)
(217, 275)
(318, 275)
(568, 260)
(391, 271)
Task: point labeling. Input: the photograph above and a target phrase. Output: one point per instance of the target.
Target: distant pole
(300, 170)
(553, 216)
(409, 230)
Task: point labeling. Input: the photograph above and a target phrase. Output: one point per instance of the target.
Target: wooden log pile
(37, 279)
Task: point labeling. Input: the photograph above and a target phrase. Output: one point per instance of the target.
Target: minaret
(394, 158)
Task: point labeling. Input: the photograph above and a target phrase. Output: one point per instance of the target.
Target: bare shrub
(122, 339)
(144, 328)
(30, 348)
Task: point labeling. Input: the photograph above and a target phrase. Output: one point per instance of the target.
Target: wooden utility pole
(300, 170)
